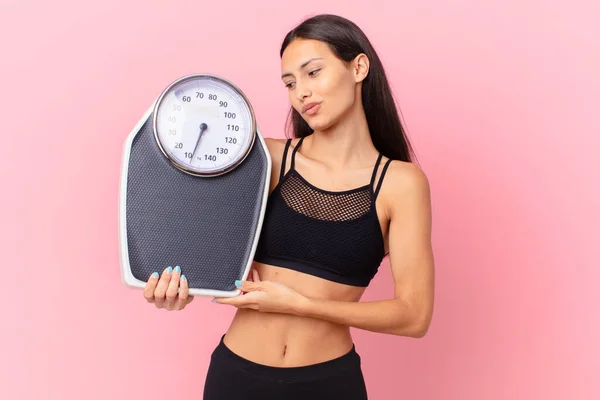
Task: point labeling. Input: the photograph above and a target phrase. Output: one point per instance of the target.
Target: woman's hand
(266, 296)
(170, 291)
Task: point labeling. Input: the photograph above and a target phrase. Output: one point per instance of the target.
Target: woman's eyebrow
(304, 64)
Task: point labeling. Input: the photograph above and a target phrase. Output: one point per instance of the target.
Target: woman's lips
(312, 108)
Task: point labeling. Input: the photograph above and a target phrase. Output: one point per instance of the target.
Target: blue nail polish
(177, 269)
(183, 277)
(155, 275)
(169, 270)
(238, 283)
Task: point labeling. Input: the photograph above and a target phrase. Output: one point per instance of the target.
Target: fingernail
(177, 269)
(155, 275)
(183, 277)
(212, 301)
(169, 270)
(238, 283)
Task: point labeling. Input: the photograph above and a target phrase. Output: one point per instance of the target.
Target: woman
(330, 220)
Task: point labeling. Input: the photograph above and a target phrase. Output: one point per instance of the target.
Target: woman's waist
(286, 340)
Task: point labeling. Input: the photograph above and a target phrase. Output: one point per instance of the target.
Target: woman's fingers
(161, 288)
(170, 290)
(150, 287)
(184, 297)
(171, 293)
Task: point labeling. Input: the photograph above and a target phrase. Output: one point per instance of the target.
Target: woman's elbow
(419, 327)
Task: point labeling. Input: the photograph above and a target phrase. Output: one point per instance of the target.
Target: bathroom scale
(194, 186)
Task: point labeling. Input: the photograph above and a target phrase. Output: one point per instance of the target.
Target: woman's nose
(302, 91)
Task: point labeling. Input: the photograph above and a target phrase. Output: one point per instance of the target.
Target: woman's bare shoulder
(274, 143)
(405, 180)
(275, 147)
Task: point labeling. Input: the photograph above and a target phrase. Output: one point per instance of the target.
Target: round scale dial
(204, 125)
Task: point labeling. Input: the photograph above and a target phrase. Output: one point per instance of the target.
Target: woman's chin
(318, 123)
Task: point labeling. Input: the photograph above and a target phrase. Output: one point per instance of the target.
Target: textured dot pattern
(204, 225)
(310, 201)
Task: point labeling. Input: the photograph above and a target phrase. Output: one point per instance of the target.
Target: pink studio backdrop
(500, 99)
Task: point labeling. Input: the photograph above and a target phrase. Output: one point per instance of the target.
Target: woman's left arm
(409, 313)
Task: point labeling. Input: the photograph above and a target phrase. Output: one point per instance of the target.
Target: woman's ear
(360, 67)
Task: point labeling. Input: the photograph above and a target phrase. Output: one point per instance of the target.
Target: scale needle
(203, 127)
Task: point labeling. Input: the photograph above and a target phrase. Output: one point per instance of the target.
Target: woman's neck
(345, 145)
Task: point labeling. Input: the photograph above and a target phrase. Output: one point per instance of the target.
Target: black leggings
(231, 376)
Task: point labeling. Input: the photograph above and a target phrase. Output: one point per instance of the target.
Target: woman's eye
(312, 73)
(289, 85)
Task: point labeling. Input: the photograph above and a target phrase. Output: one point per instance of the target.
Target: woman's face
(321, 87)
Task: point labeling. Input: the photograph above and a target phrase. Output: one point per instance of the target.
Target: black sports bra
(332, 235)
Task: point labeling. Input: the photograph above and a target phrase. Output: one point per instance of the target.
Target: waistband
(350, 360)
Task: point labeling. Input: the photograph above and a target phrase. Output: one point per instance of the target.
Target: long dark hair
(347, 41)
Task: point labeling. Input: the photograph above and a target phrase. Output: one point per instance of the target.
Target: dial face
(204, 125)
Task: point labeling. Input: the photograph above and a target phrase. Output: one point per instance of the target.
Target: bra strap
(385, 167)
(375, 171)
(295, 150)
(284, 158)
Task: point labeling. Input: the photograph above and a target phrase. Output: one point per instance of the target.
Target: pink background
(501, 101)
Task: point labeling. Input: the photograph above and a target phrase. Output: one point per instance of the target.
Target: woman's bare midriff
(285, 340)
